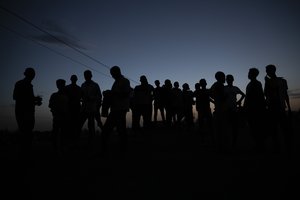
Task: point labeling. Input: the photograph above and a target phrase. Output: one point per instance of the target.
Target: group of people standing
(266, 110)
(72, 105)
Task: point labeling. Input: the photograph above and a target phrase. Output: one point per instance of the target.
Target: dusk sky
(180, 40)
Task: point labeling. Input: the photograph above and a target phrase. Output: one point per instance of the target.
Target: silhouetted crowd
(266, 111)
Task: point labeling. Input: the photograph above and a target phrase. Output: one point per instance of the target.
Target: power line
(61, 54)
(57, 39)
(54, 37)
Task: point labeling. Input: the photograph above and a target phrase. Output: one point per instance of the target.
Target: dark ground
(158, 164)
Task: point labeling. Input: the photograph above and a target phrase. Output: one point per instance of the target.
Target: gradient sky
(182, 40)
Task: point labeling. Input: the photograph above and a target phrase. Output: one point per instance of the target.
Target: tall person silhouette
(167, 95)
(188, 102)
(142, 104)
(91, 96)
(158, 101)
(176, 104)
(218, 95)
(255, 109)
(58, 104)
(232, 106)
(25, 102)
(278, 107)
(203, 100)
(119, 95)
(74, 93)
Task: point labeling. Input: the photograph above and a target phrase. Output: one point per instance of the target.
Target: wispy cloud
(294, 93)
(60, 35)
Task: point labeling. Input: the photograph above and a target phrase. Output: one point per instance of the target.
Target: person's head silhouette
(220, 77)
(60, 84)
(271, 70)
(29, 73)
(88, 75)
(73, 79)
(143, 80)
(202, 83)
(253, 73)
(229, 79)
(185, 86)
(176, 84)
(197, 86)
(157, 83)
(115, 72)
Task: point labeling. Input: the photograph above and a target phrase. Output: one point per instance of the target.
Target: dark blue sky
(180, 40)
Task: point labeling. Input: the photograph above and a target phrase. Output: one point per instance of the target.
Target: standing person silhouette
(167, 95)
(58, 104)
(142, 104)
(176, 104)
(91, 95)
(158, 101)
(197, 102)
(25, 102)
(278, 107)
(232, 104)
(120, 100)
(218, 95)
(255, 109)
(187, 104)
(74, 93)
(203, 100)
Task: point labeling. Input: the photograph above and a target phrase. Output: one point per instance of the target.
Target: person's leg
(220, 132)
(210, 128)
(287, 132)
(91, 124)
(169, 115)
(273, 128)
(155, 113)
(82, 118)
(121, 128)
(189, 118)
(147, 113)
(107, 129)
(136, 116)
(98, 118)
(162, 113)
(234, 128)
(26, 123)
(55, 136)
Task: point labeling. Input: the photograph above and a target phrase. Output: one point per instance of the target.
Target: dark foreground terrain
(159, 164)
